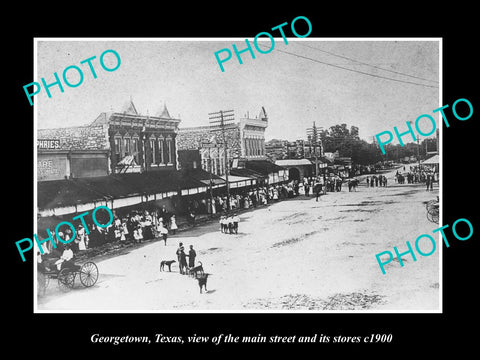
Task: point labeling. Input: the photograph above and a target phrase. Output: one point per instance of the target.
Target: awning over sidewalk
(263, 167)
(60, 197)
(293, 162)
(248, 173)
(239, 181)
(435, 159)
(63, 193)
(205, 178)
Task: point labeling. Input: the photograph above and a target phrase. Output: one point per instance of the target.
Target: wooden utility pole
(210, 170)
(418, 152)
(313, 135)
(221, 118)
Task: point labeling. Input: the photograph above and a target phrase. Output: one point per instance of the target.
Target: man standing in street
(182, 258)
(236, 220)
(191, 257)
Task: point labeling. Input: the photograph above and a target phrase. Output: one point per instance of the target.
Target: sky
(297, 83)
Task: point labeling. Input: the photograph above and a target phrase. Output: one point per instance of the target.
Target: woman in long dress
(81, 237)
(173, 224)
(159, 226)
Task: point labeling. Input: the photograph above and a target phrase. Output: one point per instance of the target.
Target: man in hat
(191, 257)
(236, 220)
(182, 258)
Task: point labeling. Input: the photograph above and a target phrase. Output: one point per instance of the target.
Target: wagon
(65, 277)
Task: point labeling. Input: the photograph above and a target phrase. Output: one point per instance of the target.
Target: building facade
(115, 142)
(298, 149)
(81, 151)
(140, 143)
(245, 140)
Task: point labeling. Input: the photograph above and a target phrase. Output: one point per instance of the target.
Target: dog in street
(202, 281)
(168, 263)
(194, 271)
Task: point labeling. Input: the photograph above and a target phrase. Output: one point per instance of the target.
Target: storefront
(297, 169)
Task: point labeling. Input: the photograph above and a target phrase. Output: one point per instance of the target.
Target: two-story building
(115, 142)
(138, 142)
(245, 140)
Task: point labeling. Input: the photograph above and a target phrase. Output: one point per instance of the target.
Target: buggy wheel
(66, 279)
(431, 204)
(432, 215)
(88, 274)
(429, 217)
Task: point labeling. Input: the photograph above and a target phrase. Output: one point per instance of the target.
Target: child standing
(173, 224)
(222, 223)
(164, 232)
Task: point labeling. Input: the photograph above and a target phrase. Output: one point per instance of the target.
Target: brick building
(298, 149)
(245, 140)
(140, 143)
(123, 160)
(115, 142)
(81, 151)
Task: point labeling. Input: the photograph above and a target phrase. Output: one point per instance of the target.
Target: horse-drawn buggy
(64, 272)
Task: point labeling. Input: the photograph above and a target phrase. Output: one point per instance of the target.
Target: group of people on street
(182, 258)
(416, 176)
(331, 183)
(134, 227)
(138, 226)
(262, 195)
(229, 223)
(429, 180)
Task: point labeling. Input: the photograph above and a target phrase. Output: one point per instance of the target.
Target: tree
(354, 132)
(339, 137)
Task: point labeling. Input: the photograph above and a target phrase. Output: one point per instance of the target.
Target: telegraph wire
(363, 63)
(352, 70)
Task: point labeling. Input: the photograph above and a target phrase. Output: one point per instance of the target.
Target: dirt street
(298, 254)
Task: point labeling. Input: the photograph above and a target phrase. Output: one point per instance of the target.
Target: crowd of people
(416, 175)
(136, 226)
(132, 227)
(252, 198)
